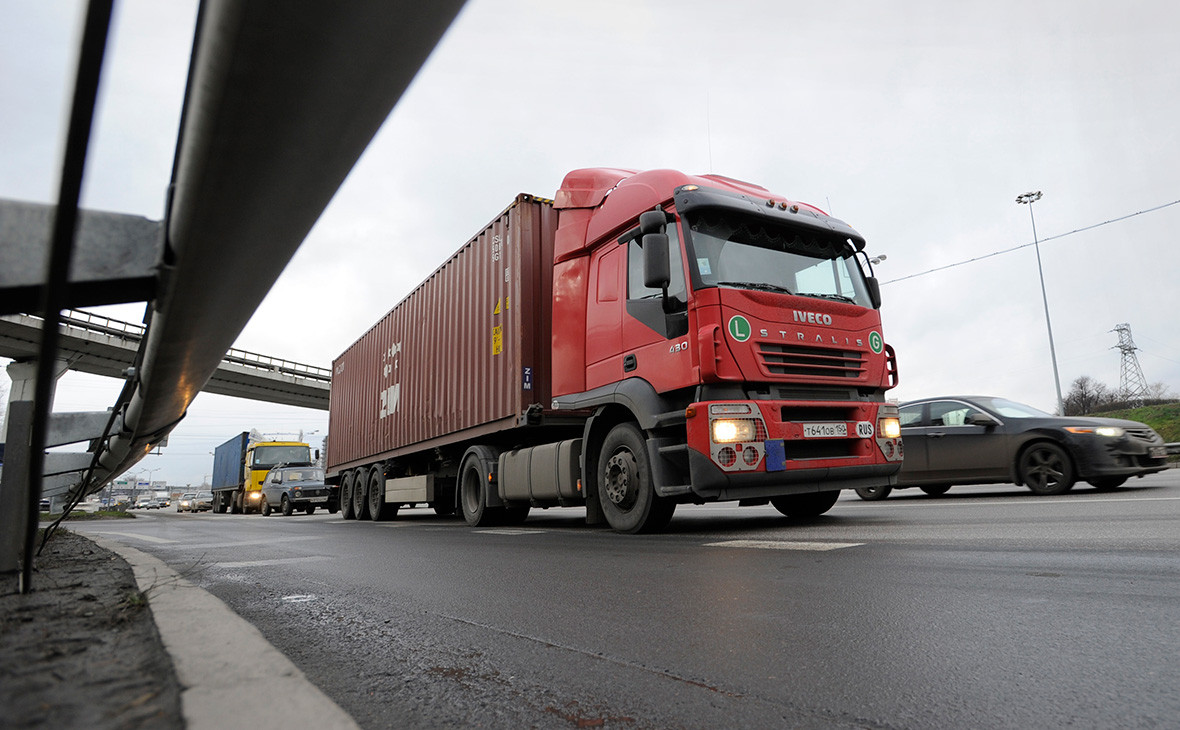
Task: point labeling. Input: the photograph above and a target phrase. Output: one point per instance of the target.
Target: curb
(230, 675)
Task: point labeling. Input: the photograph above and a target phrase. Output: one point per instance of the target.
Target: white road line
(783, 545)
(510, 532)
(949, 500)
(148, 538)
(240, 543)
(273, 561)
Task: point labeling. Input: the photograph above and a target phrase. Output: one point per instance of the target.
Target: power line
(1026, 245)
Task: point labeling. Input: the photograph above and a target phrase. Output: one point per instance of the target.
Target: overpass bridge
(92, 343)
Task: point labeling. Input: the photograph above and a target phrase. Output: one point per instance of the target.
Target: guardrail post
(16, 486)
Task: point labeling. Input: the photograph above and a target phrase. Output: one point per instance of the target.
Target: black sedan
(984, 440)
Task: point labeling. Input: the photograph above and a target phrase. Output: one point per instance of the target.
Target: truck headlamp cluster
(889, 428)
(889, 433)
(733, 430)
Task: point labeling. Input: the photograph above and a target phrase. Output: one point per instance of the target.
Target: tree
(1086, 395)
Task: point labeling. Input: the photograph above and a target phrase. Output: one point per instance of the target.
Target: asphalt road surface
(986, 607)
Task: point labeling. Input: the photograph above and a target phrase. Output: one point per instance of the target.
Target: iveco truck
(643, 340)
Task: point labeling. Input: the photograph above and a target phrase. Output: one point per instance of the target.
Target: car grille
(1146, 435)
(811, 362)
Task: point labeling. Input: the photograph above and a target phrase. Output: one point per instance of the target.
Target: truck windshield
(268, 456)
(748, 253)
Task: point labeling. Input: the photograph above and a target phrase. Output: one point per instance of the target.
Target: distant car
(984, 440)
(202, 502)
(295, 488)
(186, 502)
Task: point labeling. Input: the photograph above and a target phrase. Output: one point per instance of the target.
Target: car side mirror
(982, 419)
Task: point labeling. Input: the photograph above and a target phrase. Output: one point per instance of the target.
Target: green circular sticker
(876, 344)
(739, 328)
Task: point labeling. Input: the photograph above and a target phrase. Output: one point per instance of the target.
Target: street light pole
(1028, 199)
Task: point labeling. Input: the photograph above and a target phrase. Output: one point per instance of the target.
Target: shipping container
(464, 355)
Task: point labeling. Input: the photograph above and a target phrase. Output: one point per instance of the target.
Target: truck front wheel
(625, 488)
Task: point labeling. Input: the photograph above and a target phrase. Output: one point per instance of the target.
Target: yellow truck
(240, 465)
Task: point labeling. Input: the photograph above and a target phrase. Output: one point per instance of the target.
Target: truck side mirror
(656, 267)
(652, 221)
(874, 291)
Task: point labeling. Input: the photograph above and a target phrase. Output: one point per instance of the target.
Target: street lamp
(1028, 199)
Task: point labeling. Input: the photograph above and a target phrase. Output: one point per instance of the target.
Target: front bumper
(1126, 456)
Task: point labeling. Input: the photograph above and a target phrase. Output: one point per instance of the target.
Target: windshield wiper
(835, 297)
(756, 285)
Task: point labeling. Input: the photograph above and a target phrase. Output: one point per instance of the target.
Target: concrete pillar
(15, 485)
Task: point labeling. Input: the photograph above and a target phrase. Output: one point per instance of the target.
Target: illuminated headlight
(255, 495)
(1109, 431)
(733, 430)
(889, 428)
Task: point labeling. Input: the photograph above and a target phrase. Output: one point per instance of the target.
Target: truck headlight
(255, 495)
(733, 430)
(889, 428)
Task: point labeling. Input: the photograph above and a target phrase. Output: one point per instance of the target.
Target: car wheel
(935, 490)
(1045, 469)
(806, 505)
(286, 505)
(265, 508)
(1108, 483)
(309, 509)
(872, 494)
(625, 490)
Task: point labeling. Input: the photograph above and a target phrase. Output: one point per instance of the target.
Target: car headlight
(1108, 431)
(733, 430)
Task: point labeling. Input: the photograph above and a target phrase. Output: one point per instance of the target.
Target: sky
(917, 122)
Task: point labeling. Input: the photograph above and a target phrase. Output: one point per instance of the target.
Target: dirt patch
(81, 650)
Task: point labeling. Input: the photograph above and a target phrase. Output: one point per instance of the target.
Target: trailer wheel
(379, 510)
(625, 488)
(473, 486)
(806, 505)
(234, 507)
(346, 496)
(360, 494)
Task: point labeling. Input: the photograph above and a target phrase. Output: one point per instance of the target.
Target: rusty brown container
(463, 356)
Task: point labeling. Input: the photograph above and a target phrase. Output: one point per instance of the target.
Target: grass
(100, 515)
(1165, 418)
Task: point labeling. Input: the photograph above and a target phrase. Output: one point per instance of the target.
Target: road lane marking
(272, 561)
(148, 538)
(950, 500)
(240, 543)
(498, 531)
(784, 545)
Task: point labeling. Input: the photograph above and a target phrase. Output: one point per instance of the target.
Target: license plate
(318, 499)
(825, 430)
(1158, 452)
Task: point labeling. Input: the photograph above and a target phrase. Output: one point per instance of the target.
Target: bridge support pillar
(16, 484)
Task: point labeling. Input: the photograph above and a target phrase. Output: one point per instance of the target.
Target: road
(986, 607)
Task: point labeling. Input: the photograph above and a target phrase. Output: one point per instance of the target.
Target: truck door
(604, 312)
(655, 345)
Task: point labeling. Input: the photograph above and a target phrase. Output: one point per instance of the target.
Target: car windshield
(748, 253)
(303, 475)
(1012, 409)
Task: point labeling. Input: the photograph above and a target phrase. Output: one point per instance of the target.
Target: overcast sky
(918, 123)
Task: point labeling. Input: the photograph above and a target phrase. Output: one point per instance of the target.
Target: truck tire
(346, 496)
(235, 507)
(360, 494)
(219, 505)
(379, 510)
(803, 506)
(473, 486)
(625, 488)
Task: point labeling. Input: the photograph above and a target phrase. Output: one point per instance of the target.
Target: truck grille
(811, 362)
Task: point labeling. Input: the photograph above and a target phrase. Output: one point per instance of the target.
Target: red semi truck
(643, 340)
